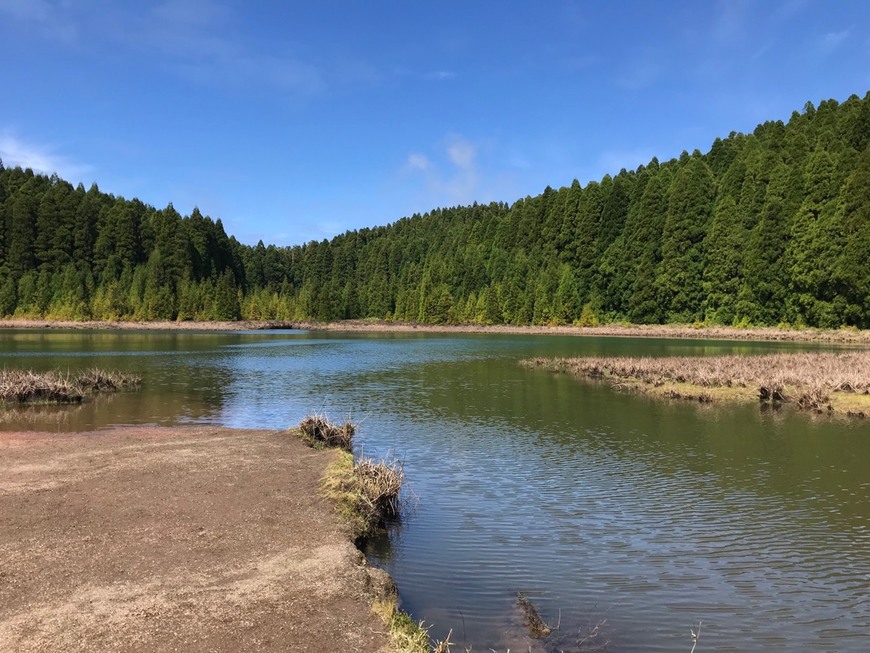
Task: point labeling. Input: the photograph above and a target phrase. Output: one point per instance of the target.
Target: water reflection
(596, 503)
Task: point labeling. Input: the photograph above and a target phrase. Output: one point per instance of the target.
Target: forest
(766, 228)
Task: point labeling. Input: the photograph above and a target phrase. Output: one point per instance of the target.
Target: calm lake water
(598, 505)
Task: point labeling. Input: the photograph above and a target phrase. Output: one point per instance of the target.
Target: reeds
(807, 378)
(96, 380)
(837, 372)
(378, 484)
(323, 432)
(56, 387)
(368, 492)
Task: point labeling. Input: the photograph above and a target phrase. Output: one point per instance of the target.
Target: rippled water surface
(600, 506)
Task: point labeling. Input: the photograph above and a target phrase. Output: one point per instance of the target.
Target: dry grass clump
(367, 492)
(96, 380)
(319, 430)
(27, 386)
(379, 484)
(56, 387)
(814, 399)
(811, 377)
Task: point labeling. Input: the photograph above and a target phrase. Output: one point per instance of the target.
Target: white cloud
(457, 179)
(41, 158)
(53, 19)
(441, 75)
(832, 40)
(200, 41)
(461, 153)
(418, 161)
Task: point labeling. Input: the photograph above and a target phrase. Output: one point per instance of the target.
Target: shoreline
(835, 384)
(181, 538)
(684, 332)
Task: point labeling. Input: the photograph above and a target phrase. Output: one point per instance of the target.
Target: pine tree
(723, 274)
(681, 270)
(21, 238)
(852, 266)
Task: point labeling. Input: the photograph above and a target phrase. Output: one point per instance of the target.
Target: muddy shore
(844, 336)
(177, 539)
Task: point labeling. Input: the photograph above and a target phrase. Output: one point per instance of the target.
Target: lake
(641, 515)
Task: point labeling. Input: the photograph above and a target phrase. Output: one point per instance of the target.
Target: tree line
(765, 228)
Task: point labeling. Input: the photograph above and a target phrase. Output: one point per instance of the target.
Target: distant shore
(687, 332)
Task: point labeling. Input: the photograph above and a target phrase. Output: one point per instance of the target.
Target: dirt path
(194, 539)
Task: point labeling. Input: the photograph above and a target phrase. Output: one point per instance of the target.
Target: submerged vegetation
(766, 228)
(538, 628)
(818, 381)
(54, 386)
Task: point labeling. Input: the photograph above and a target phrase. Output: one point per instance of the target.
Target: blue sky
(294, 121)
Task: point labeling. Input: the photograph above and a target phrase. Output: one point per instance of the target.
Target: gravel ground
(183, 539)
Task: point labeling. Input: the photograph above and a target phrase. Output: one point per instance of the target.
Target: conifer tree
(680, 273)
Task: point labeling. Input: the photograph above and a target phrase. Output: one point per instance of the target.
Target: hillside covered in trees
(765, 228)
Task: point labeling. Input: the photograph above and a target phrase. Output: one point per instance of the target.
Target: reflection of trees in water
(762, 450)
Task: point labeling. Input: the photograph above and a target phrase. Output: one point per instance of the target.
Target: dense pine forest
(766, 228)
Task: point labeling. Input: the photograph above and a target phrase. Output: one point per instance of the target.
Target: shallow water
(598, 505)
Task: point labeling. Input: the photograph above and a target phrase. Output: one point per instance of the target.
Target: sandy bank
(846, 336)
(187, 539)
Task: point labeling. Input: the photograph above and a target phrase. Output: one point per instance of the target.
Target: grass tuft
(366, 492)
(56, 387)
(319, 430)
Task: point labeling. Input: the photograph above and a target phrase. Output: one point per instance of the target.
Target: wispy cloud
(832, 40)
(788, 9)
(456, 179)
(729, 21)
(53, 19)
(197, 37)
(39, 157)
(441, 75)
(640, 74)
(417, 161)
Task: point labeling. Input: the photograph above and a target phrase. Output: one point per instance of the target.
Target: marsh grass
(94, 379)
(320, 431)
(816, 381)
(366, 491)
(56, 387)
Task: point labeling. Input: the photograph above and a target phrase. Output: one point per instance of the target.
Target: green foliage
(766, 228)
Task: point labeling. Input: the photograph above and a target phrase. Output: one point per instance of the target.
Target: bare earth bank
(183, 539)
(845, 335)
